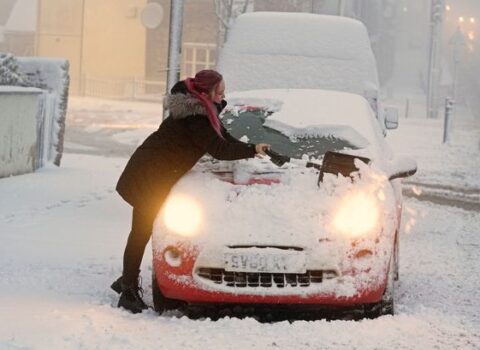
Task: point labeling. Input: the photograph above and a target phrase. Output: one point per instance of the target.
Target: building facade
(101, 39)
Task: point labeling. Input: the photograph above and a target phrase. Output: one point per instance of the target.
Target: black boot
(131, 297)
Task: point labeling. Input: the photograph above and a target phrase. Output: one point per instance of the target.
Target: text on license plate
(288, 262)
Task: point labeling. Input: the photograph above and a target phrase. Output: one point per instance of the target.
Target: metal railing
(196, 56)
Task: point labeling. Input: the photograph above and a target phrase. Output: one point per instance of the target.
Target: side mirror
(391, 118)
(402, 167)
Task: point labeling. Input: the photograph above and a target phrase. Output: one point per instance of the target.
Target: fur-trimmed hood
(183, 105)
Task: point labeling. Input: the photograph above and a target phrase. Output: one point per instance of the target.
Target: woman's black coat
(171, 151)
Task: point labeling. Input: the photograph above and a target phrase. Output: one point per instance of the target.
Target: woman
(191, 130)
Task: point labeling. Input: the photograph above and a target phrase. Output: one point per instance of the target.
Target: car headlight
(357, 214)
(182, 215)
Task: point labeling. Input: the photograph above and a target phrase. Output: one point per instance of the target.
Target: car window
(251, 124)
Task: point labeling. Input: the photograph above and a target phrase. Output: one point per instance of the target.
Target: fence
(196, 56)
(123, 88)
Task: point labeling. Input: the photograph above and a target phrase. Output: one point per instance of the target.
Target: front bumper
(190, 283)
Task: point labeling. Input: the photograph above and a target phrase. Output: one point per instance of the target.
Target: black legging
(142, 227)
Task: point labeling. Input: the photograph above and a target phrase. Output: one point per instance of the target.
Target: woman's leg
(131, 290)
(142, 226)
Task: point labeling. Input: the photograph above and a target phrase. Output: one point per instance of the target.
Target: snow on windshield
(334, 54)
(299, 113)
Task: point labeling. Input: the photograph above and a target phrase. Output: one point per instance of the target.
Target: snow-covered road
(63, 232)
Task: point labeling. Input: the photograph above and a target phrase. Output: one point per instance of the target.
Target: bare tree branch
(245, 5)
(226, 11)
(218, 13)
(229, 10)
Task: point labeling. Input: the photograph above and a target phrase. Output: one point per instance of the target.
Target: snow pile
(9, 72)
(298, 50)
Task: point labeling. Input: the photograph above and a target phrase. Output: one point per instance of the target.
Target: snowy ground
(63, 232)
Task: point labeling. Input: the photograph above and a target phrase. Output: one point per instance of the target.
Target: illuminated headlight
(358, 214)
(182, 215)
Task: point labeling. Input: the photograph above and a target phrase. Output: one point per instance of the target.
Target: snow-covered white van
(272, 50)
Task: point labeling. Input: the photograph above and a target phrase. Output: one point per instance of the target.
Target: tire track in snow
(80, 202)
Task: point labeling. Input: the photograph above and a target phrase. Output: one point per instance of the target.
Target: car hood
(289, 211)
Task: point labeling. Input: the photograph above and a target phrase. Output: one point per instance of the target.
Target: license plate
(285, 262)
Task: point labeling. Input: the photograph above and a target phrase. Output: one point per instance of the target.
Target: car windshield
(251, 125)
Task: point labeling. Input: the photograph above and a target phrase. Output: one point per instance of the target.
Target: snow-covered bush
(9, 71)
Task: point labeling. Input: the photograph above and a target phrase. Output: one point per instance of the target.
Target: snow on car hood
(294, 212)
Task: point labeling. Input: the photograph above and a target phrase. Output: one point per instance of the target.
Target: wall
(18, 130)
(114, 38)
(52, 75)
(99, 38)
(59, 34)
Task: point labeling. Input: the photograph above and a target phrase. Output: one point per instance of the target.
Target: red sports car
(253, 233)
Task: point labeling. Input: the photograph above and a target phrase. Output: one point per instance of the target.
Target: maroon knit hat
(204, 82)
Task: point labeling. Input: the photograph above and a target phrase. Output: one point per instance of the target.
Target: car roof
(334, 36)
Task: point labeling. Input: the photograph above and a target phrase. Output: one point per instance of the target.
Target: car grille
(268, 280)
(299, 249)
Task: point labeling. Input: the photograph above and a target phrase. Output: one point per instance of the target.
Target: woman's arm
(229, 136)
(227, 148)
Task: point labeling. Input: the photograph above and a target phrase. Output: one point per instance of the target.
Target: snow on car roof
(305, 112)
(334, 36)
(298, 50)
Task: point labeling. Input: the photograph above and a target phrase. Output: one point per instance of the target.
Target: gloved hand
(261, 148)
